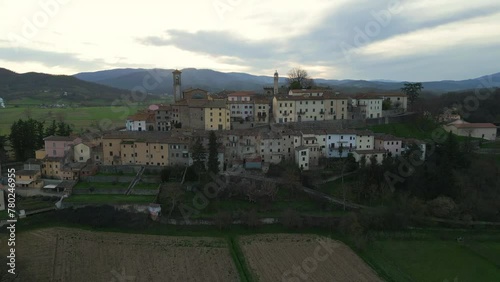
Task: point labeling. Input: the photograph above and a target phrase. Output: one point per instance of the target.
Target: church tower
(177, 85)
(276, 77)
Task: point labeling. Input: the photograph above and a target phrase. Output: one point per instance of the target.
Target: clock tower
(276, 77)
(177, 85)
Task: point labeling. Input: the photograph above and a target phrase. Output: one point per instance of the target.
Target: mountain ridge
(215, 81)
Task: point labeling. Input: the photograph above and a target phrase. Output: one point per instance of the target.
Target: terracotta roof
(365, 96)
(298, 98)
(206, 103)
(59, 138)
(142, 116)
(387, 137)
(364, 132)
(194, 89)
(305, 91)
(241, 94)
(27, 172)
(391, 94)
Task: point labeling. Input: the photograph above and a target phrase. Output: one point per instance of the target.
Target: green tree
(26, 137)
(52, 129)
(386, 105)
(3, 152)
(63, 129)
(412, 90)
(199, 156)
(213, 160)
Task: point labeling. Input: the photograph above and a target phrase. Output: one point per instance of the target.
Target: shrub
(443, 207)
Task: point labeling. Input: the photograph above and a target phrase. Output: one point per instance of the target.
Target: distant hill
(195, 78)
(217, 81)
(46, 87)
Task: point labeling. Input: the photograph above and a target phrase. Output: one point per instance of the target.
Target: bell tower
(276, 77)
(177, 84)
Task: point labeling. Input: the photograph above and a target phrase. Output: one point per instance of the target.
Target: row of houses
(317, 105)
(63, 158)
(201, 111)
(271, 145)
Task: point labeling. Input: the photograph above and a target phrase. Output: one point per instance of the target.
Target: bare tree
(298, 79)
(265, 192)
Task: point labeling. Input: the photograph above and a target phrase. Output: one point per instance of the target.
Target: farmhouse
(486, 131)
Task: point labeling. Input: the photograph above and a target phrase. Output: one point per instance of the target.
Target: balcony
(301, 113)
(285, 114)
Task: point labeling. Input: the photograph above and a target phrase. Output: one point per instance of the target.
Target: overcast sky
(417, 40)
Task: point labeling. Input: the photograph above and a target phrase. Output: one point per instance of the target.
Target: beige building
(29, 179)
(310, 105)
(262, 109)
(51, 167)
(368, 154)
(205, 114)
(217, 115)
(486, 131)
(81, 153)
(336, 107)
(365, 140)
(146, 148)
(398, 100)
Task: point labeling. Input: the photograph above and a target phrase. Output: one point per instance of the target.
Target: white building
(241, 105)
(302, 157)
(369, 105)
(143, 121)
(340, 141)
(486, 131)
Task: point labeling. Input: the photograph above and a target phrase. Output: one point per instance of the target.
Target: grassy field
(79, 117)
(432, 260)
(491, 145)
(422, 255)
(418, 130)
(86, 185)
(405, 130)
(110, 199)
(146, 186)
(35, 203)
(334, 188)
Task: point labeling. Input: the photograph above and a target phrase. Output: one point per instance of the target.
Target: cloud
(363, 39)
(57, 59)
(214, 43)
(47, 58)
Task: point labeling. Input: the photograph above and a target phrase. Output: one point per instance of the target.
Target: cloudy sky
(417, 40)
